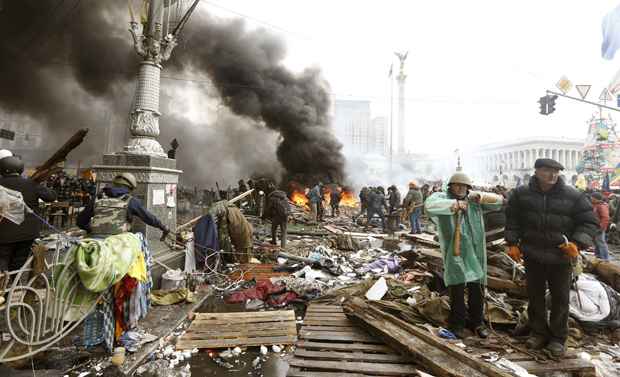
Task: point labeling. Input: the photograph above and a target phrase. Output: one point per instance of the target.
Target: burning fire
(298, 194)
(300, 198)
(349, 199)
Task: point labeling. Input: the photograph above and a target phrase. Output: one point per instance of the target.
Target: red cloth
(261, 291)
(601, 210)
(122, 292)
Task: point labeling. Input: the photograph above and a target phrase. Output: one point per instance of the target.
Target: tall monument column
(401, 102)
(143, 156)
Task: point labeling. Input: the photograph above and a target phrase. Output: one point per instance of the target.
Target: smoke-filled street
(293, 189)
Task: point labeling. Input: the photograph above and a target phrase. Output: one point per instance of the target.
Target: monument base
(157, 190)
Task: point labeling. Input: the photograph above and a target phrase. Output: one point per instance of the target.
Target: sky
(476, 69)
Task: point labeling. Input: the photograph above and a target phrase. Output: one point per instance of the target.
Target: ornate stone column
(143, 156)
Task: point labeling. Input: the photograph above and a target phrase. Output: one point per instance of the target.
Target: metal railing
(34, 316)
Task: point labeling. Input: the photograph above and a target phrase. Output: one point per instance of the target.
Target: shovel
(457, 235)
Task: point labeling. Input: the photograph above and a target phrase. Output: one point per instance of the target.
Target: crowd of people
(547, 224)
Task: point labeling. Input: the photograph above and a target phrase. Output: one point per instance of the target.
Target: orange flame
(299, 198)
(349, 199)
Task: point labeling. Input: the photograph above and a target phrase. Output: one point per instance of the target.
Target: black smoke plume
(247, 70)
(70, 64)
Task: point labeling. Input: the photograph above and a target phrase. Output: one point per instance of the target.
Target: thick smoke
(70, 65)
(247, 70)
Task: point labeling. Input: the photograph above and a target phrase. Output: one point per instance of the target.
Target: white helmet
(5, 153)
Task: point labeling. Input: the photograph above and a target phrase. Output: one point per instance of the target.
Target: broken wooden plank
(228, 343)
(424, 239)
(434, 354)
(325, 309)
(325, 318)
(297, 372)
(337, 336)
(245, 317)
(332, 322)
(359, 367)
(577, 367)
(360, 356)
(310, 345)
(332, 229)
(328, 328)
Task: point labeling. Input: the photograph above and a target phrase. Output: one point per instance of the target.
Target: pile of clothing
(114, 276)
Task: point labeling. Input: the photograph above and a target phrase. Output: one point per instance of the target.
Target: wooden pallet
(223, 330)
(331, 345)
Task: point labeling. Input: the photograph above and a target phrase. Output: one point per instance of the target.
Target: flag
(611, 34)
(391, 66)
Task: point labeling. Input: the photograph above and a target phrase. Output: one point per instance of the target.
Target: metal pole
(391, 119)
(582, 100)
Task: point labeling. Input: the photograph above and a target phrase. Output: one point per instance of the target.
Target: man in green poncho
(458, 214)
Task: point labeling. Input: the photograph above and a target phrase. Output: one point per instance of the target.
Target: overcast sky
(475, 69)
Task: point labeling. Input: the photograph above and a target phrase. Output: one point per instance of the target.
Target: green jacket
(471, 265)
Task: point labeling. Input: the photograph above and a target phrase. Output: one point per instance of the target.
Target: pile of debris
(390, 285)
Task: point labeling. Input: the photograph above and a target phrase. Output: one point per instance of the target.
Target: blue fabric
(600, 247)
(205, 237)
(414, 218)
(108, 320)
(134, 208)
(611, 34)
(94, 328)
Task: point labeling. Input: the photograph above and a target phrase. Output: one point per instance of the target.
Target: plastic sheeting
(12, 206)
(590, 301)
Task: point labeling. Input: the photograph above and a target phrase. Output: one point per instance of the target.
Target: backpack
(279, 205)
(111, 216)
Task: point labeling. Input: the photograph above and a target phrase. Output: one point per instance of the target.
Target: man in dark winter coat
(376, 204)
(334, 200)
(16, 240)
(277, 210)
(393, 198)
(548, 221)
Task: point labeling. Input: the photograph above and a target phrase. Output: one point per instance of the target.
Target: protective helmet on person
(461, 178)
(11, 165)
(127, 180)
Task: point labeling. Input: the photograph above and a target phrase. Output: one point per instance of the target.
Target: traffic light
(551, 103)
(543, 105)
(547, 104)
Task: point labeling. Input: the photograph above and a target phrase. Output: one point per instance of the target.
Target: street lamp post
(143, 156)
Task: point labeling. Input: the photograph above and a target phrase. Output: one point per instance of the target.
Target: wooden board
(223, 330)
(574, 367)
(437, 356)
(331, 345)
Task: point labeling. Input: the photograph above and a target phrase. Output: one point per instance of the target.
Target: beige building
(510, 161)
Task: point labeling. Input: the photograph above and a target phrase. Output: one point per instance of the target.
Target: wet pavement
(271, 365)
